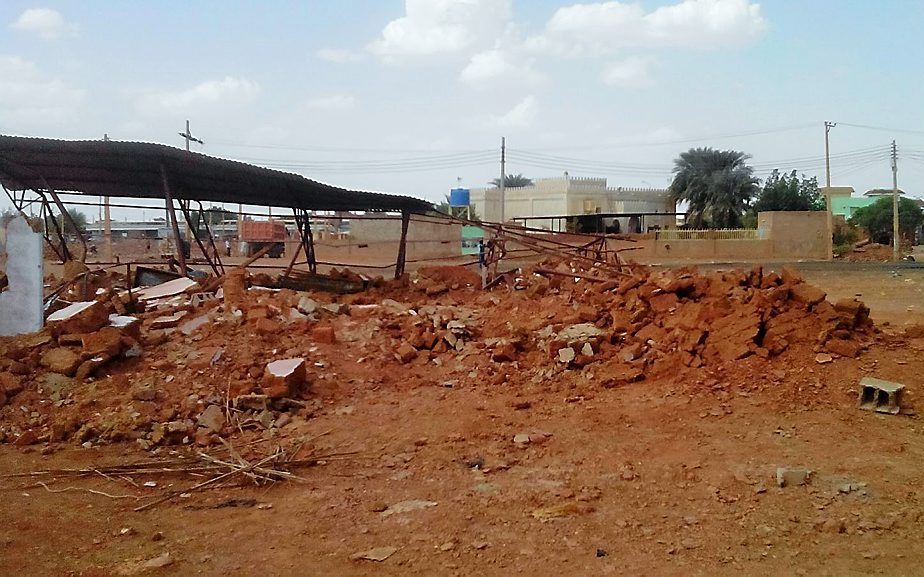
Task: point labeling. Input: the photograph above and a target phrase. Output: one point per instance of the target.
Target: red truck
(259, 233)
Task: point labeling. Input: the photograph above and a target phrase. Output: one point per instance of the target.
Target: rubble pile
(186, 363)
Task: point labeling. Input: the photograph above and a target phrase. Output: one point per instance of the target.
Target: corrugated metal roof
(133, 169)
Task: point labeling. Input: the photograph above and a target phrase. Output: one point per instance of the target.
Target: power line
(883, 128)
(683, 140)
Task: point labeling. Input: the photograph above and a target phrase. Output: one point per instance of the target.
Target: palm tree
(717, 185)
(513, 181)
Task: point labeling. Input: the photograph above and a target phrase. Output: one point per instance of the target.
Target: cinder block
(880, 396)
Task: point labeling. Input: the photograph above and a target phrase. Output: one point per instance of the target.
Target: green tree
(513, 181)
(877, 219)
(79, 219)
(788, 192)
(717, 186)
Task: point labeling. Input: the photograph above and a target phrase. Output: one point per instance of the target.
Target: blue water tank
(459, 197)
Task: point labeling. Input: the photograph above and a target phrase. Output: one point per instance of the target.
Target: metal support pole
(64, 252)
(896, 236)
(195, 234)
(402, 244)
(46, 214)
(298, 250)
(503, 179)
(308, 239)
(67, 218)
(829, 222)
(171, 214)
(208, 231)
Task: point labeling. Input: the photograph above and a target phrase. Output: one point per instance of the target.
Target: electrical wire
(683, 140)
(881, 128)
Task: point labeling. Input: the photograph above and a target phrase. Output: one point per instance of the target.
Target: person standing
(227, 247)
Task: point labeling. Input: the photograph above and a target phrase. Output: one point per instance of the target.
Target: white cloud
(47, 23)
(496, 66)
(606, 27)
(332, 102)
(29, 98)
(442, 27)
(227, 92)
(338, 55)
(520, 116)
(631, 72)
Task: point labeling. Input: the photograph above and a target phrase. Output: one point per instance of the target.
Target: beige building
(577, 197)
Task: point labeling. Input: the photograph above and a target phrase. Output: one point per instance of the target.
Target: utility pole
(896, 256)
(828, 203)
(503, 177)
(188, 136)
(107, 223)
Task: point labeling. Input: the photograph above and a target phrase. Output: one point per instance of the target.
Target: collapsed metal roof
(137, 169)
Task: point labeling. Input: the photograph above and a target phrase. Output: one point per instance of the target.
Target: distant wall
(378, 240)
(795, 234)
(780, 236)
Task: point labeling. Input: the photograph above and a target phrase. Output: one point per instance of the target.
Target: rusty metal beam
(402, 245)
(171, 213)
(208, 231)
(184, 207)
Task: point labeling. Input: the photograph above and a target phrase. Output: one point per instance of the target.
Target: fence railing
(707, 234)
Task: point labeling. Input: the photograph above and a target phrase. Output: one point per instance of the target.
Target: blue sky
(406, 96)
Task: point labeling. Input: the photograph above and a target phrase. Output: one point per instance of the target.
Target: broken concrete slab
(167, 289)
(880, 396)
(127, 325)
(375, 554)
(78, 318)
(791, 477)
(284, 378)
(168, 321)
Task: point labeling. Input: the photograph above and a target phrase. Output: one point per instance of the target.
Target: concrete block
(78, 318)
(880, 396)
(21, 304)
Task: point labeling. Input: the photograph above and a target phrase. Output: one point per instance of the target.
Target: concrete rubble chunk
(60, 360)
(844, 348)
(284, 378)
(307, 305)
(78, 318)
(580, 333)
(407, 507)
(792, 477)
(168, 289)
(406, 353)
(190, 326)
(212, 419)
(127, 325)
(378, 554)
(880, 396)
(234, 288)
(106, 342)
(807, 294)
(566, 355)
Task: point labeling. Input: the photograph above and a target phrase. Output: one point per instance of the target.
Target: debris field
(435, 408)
